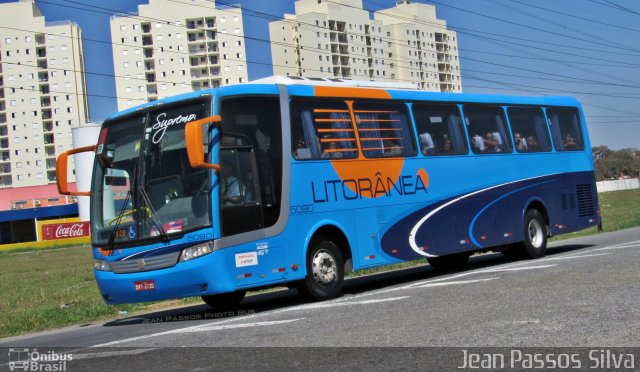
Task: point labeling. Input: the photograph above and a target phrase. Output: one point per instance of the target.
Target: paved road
(584, 293)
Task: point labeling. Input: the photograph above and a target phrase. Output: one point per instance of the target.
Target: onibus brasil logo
(25, 359)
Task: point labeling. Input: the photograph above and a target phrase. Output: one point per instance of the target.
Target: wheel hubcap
(535, 233)
(324, 268)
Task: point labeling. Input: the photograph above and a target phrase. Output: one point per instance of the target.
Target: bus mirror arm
(61, 171)
(194, 141)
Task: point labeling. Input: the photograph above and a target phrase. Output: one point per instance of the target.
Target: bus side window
(530, 133)
(440, 130)
(384, 129)
(487, 126)
(565, 129)
(322, 129)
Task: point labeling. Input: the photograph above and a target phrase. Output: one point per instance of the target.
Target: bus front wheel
(225, 301)
(325, 271)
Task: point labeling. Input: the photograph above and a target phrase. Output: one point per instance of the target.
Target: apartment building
(42, 94)
(339, 39)
(171, 47)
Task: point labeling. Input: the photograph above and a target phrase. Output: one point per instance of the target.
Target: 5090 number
(301, 209)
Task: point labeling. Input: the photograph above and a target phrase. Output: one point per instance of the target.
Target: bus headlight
(101, 265)
(196, 251)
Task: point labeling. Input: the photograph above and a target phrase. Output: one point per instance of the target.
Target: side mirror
(195, 141)
(61, 171)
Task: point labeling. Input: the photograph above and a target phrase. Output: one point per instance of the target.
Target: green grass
(50, 288)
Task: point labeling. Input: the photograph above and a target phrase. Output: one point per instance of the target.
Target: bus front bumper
(201, 276)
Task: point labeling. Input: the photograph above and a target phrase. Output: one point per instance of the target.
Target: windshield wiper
(112, 237)
(151, 212)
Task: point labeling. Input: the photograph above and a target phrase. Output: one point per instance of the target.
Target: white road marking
(216, 327)
(326, 305)
(572, 257)
(442, 284)
(518, 268)
(107, 354)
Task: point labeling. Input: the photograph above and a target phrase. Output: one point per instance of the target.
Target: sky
(588, 49)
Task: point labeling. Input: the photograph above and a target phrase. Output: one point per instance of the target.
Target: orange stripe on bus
(374, 112)
(380, 139)
(330, 111)
(376, 120)
(337, 140)
(377, 129)
(321, 130)
(379, 148)
(332, 120)
(351, 92)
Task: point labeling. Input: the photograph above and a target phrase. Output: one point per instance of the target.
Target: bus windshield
(143, 184)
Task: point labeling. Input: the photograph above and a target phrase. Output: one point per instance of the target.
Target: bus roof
(306, 86)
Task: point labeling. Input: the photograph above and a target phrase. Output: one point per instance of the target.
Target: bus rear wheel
(325, 271)
(535, 237)
(225, 301)
(450, 261)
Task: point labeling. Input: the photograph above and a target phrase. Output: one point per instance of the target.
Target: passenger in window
(301, 151)
(331, 151)
(491, 144)
(569, 142)
(231, 189)
(392, 148)
(521, 143)
(447, 147)
(426, 144)
(477, 143)
(532, 144)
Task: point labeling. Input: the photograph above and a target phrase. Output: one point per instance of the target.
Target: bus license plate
(144, 285)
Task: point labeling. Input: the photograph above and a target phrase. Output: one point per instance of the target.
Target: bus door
(240, 199)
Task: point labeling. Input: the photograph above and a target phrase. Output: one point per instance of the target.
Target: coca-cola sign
(65, 230)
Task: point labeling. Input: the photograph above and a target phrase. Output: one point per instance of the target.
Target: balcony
(147, 40)
(2, 107)
(41, 52)
(5, 168)
(152, 89)
(210, 22)
(51, 176)
(42, 65)
(151, 78)
(148, 52)
(146, 28)
(212, 47)
(43, 77)
(40, 39)
(51, 164)
(150, 66)
(5, 156)
(4, 143)
(50, 151)
(45, 102)
(4, 131)
(3, 118)
(195, 37)
(47, 126)
(5, 181)
(49, 140)
(213, 60)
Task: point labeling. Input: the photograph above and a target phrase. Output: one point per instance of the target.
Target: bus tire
(535, 236)
(450, 261)
(325, 271)
(225, 301)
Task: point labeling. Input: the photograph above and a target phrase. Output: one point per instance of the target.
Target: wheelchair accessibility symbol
(132, 232)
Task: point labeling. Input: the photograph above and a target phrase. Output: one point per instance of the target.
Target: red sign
(144, 285)
(65, 230)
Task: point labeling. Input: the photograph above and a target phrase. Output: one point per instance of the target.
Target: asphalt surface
(584, 293)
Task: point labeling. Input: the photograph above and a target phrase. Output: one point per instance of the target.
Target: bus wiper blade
(112, 237)
(153, 217)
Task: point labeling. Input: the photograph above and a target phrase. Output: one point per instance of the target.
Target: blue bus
(293, 181)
